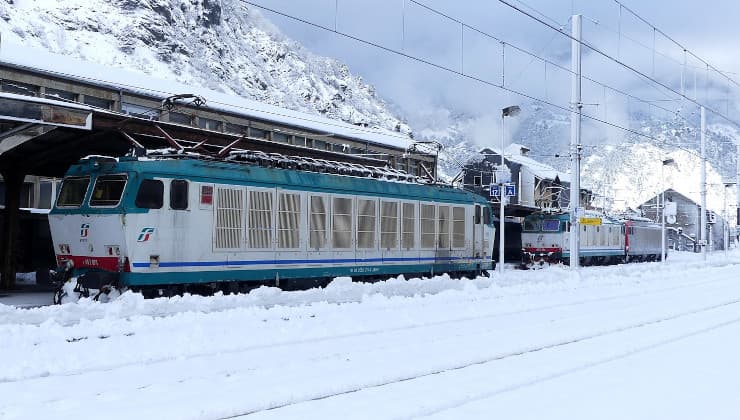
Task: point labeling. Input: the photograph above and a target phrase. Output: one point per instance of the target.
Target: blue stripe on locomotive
(194, 277)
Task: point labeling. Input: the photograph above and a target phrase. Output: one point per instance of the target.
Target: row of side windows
(151, 194)
(333, 222)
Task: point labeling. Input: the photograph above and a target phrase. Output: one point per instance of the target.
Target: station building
(121, 108)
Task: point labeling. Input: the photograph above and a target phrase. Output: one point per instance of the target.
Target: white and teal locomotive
(603, 239)
(168, 222)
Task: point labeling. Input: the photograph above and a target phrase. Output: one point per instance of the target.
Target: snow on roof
(146, 85)
(73, 105)
(513, 153)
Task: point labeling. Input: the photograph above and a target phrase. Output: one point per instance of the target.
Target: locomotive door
(478, 232)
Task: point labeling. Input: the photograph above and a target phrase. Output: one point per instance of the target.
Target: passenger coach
(160, 221)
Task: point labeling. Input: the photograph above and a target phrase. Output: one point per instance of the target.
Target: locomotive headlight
(64, 249)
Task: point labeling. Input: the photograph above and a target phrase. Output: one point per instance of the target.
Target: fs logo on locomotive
(84, 230)
(146, 234)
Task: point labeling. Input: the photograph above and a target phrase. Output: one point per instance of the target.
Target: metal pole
(703, 184)
(501, 198)
(662, 215)
(575, 141)
(737, 191)
(725, 236)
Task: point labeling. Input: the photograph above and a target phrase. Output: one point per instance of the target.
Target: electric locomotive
(163, 223)
(603, 239)
(546, 239)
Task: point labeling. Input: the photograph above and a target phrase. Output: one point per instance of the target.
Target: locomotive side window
(150, 194)
(443, 223)
(179, 194)
(365, 224)
(477, 214)
(428, 221)
(73, 191)
(342, 222)
(289, 211)
(389, 225)
(108, 190)
(228, 226)
(317, 223)
(458, 227)
(408, 235)
(260, 219)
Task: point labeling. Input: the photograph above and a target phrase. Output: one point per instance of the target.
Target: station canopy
(44, 137)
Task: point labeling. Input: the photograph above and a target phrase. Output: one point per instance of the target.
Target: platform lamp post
(663, 251)
(509, 111)
(726, 227)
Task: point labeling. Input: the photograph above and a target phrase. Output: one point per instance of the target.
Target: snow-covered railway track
(81, 343)
(532, 350)
(286, 361)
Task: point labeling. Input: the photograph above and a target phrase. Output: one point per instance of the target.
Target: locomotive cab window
(551, 225)
(179, 194)
(108, 190)
(531, 225)
(150, 194)
(73, 191)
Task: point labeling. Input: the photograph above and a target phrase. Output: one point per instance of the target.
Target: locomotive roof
(238, 173)
(587, 213)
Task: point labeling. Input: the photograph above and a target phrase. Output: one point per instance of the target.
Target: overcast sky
(708, 28)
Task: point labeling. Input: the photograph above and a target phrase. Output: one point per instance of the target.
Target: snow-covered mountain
(218, 44)
(626, 167)
(623, 167)
(226, 46)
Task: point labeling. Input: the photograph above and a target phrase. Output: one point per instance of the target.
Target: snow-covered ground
(631, 341)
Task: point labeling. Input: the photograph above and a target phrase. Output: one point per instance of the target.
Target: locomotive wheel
(59, 294)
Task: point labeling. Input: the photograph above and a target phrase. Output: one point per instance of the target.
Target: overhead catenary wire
(684, 48)
(649, 103)
(455, 71)
(360, 130)
(620, 62)
(539, 57)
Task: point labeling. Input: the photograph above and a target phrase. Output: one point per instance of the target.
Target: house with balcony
(538, 186)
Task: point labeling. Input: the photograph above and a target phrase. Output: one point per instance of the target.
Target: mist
(418, 90)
